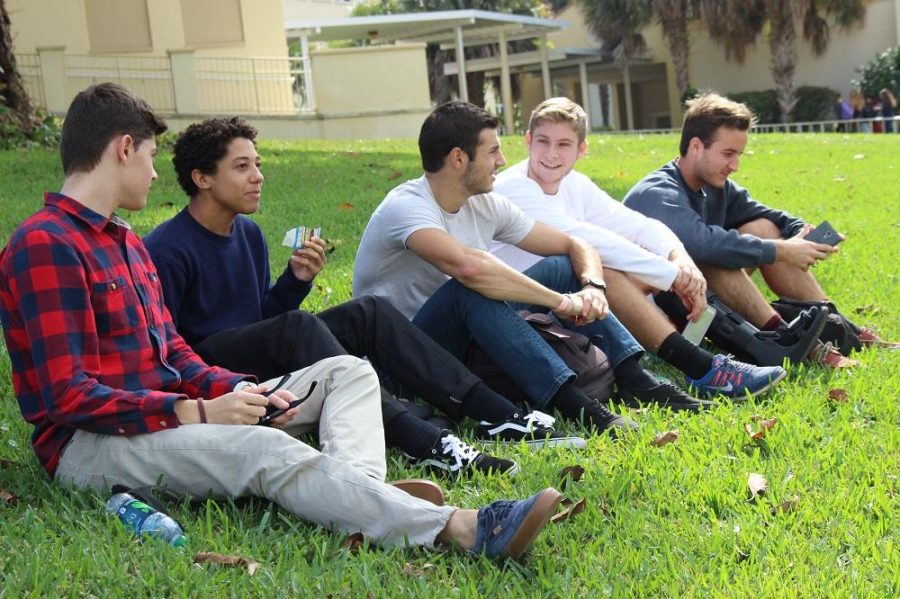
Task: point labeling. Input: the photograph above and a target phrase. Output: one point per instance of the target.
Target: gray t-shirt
(386, 267)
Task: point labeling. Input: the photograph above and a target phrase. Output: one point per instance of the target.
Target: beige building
(195, 58)
(650, 87)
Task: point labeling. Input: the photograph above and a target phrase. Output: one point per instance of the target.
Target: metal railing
(261, 86)
(866, 125)
(251, 85)
(29, 66)
(150, 77)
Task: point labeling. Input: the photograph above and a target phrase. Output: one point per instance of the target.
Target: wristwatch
(595, 282)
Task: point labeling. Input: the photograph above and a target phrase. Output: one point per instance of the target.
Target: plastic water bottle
(142, 519)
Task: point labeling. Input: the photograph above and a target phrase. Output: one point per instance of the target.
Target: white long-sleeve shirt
(625, 239)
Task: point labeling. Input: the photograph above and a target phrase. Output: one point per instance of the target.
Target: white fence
(190, 85)
(868, 125)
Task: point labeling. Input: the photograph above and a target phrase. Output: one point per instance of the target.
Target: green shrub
(764, 104)
(813, 104)
(883, 71)
(45, 131)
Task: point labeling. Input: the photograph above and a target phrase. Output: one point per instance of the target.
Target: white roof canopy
(477, 26)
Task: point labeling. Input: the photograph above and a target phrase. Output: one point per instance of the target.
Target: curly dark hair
(202, 145)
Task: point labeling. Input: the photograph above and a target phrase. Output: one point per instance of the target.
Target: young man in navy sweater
(214, 268)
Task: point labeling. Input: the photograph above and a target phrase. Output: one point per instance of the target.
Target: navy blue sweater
(213, 282)
(706, 220)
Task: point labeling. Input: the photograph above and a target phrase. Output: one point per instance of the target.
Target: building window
(118, 25)
(212, 22)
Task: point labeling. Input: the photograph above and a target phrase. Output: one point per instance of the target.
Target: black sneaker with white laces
(666, 395)
(535, 429)
(449, 456)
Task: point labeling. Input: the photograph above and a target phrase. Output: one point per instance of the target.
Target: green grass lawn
(660, 521)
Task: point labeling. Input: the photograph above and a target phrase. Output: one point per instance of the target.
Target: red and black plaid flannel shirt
(91, 343)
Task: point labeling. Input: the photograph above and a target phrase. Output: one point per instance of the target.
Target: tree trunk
(782, 44)
(14, 95)
(673, 18)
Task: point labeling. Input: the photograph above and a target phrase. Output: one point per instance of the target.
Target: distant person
(888, 105)
(858, 104)
(116, 396)
(842, 112)
(725, 230)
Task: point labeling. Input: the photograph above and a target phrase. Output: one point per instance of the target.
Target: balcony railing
(201, 85)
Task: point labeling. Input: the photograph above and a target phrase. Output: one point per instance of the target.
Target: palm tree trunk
(782, 44)
(673, 18)
(12, 90)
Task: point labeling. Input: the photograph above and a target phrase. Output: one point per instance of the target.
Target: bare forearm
(492, 278)
(585, 260)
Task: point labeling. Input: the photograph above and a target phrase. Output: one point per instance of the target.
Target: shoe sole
(420, 488)
(565, 442)
(540, 513)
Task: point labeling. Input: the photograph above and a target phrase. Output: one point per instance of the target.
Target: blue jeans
(608, 334)
(455, 316)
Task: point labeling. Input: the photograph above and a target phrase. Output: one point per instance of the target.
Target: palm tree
(12, 92)
(735, 24)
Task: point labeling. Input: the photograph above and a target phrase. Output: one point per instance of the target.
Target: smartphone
(824, 233)
(695, 331)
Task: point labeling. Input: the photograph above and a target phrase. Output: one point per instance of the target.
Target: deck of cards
(296, 237)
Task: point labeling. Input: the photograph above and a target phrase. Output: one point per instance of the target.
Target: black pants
(368, 327)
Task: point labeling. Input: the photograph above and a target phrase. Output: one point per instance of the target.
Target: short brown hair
(560, 110)
(97, 115)
(707, 113)
(455, 124)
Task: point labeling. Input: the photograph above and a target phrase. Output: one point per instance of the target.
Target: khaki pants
(338, 487)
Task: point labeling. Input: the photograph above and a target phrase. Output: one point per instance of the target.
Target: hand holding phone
(824, 233)
(272, 412)
(695, 331)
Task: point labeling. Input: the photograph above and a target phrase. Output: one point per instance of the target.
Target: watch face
(595, 282)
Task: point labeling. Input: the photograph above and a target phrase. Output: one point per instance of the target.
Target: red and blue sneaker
(735, 379)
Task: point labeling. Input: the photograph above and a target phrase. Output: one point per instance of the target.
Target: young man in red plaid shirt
(115, 395)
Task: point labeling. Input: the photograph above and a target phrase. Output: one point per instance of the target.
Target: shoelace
(539, 418)
(462, 453)
(820, 351)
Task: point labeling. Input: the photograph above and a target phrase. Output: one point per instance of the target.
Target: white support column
(629, 106)
(184, 81)
(505, 86)
(307, 73)
(585, 95)
(53, 78)
(545, 67)
(461, 66)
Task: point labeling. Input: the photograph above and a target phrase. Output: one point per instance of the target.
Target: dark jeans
(455, 316)
(364, 327)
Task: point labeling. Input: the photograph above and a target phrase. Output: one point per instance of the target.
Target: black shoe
(449, 456)
(535, 429)
(666, 395)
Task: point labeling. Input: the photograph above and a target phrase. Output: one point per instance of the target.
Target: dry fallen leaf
(352, 154)
(414, 570)
(665, 438)
(858, 156)
(4, 464)
(838, 395)
(570, 509)
(786, 506)
(757, 484)
(867, 309)
(573, 473)
(394, 175)
(764, 427)
(353, 542)
(227, 560)
(840, 179)
(7, 497)
(345, 206)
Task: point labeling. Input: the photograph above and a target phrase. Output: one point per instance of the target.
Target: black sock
(573, 404)
(483, 403)
(685, 356)
(630, 375)
(411, 435)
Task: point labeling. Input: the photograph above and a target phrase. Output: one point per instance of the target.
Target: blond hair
(706, 113)
(559, 110)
